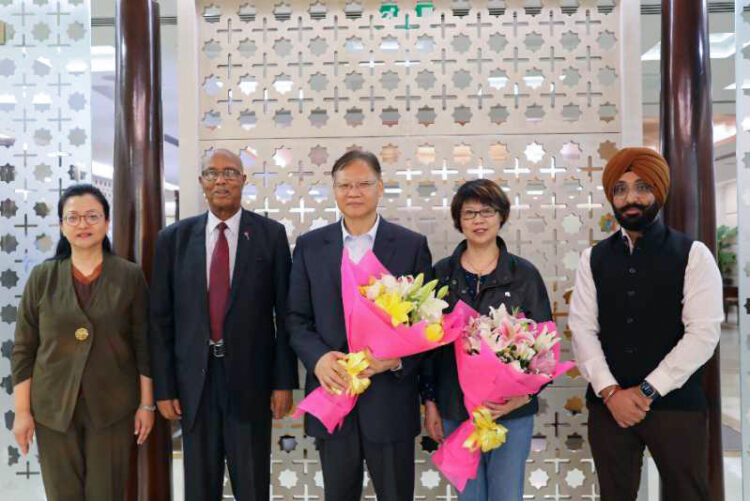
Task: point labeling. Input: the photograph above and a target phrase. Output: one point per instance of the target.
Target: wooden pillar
(687, 144)
(138, 205)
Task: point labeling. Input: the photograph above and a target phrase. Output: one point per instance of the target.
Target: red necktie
(218, 285)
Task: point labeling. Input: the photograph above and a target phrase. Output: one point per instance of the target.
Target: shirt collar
(370, 234)
(626, 238)
(233, 223)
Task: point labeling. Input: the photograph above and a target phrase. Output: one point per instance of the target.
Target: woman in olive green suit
(80, 362)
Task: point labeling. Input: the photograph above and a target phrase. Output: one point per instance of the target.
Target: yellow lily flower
(396, 308)
(487, 434)
(355, 363)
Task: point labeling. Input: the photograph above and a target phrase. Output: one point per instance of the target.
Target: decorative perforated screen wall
(45, 129)
(742, 73)
(526, 93)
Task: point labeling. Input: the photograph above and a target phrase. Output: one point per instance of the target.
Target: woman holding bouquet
(483, 274)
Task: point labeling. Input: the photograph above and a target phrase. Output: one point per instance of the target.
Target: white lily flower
(432, 309)
(524, 352)
(546, 340)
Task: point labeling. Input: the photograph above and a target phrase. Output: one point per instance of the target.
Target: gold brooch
(82, 334)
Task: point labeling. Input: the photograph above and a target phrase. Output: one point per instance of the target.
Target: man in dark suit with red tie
(221, 358)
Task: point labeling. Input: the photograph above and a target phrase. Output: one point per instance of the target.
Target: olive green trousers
(85, 463)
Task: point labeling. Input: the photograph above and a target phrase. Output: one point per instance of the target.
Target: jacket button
(82, 334)
(629, 350)
(632, 271)
(203, 371)
(631, 293)
(629, 320)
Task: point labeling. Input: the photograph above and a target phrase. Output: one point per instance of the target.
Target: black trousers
(219, 434)
(391, 467)
(677, 440)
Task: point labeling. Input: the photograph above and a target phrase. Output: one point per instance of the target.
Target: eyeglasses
(91, 218)
(642, 190)
(359, 186)
(229, 174)
(486, 213)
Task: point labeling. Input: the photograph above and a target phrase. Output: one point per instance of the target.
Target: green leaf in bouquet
(425, 291)
(442, 292)
(415, 286)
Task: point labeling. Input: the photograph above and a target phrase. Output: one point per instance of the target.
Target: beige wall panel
(303, 92)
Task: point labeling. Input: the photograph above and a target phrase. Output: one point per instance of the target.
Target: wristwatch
(649, 391)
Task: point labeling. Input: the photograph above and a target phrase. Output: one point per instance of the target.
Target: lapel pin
(247, 235)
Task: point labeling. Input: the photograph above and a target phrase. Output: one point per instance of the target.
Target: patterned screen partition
(45, 145)
(522, 92)
(742, 73)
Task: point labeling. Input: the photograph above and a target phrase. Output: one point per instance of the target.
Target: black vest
(640, 309)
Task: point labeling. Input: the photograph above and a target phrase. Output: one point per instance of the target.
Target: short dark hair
(350, 156)
(483, 191)
(63, 249)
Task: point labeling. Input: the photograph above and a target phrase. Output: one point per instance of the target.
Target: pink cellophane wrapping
(367, 326)
(484, 378)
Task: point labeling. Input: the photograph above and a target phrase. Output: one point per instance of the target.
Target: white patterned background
(525, 93)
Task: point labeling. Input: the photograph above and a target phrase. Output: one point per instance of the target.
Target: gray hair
(223, 152)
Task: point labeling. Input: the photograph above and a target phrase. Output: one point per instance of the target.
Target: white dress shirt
(358, 245)
(212, 235)
(702, 314)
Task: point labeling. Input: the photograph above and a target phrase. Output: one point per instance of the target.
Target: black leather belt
(218, 350)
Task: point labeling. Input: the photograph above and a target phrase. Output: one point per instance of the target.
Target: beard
(639, 222)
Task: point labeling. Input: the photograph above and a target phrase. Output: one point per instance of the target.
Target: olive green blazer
(99, 352)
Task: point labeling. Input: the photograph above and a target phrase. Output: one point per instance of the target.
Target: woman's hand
(23, 429)
(513, 403)
(144, 423)
(433, 423)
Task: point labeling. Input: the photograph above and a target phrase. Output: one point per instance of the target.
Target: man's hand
(331, 374)
(378, 365)
(433, 423)
(513, 403)
(281, 403)
(628, 407)
(170, 409)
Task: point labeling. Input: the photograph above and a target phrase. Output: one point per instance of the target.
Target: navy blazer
(389, 410)
(259, 358)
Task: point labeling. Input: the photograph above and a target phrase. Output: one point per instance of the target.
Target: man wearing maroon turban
(645, 317)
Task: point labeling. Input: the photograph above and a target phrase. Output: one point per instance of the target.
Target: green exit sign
(391, 10)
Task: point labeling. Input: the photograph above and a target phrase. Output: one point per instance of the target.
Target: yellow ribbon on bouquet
(487, 434)
(355, 363)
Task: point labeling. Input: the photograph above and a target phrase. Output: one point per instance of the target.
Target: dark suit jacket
(389, 410)
(104, 366)
(258, 358)
(515, 283)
